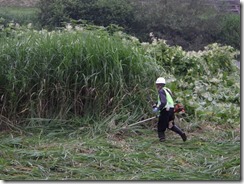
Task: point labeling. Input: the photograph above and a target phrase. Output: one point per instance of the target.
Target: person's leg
(179, 131)
(162, 124)
(173, 127)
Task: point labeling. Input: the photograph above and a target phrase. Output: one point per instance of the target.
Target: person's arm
(162, 97)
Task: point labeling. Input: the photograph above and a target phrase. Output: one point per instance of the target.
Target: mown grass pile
(66, 93)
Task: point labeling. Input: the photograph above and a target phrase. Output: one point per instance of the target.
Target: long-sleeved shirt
(162, 97)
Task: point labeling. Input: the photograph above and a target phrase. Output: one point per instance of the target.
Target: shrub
(190, 24)
(231, 31)
(52, 13)
(99, 12)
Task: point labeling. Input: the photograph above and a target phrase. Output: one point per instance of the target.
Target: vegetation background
(190, 24)
(74, 74)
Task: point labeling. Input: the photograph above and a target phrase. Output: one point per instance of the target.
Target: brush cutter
(142, 121)
(179, 108)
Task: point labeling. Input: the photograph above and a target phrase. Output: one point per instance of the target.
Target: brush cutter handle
(142, 121)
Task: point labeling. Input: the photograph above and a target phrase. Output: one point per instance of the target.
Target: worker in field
(165, 106)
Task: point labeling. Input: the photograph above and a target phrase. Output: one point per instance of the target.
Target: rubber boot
(161, 136)
(179, 131)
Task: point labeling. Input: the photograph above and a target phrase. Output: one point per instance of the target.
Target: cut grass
(118, 156)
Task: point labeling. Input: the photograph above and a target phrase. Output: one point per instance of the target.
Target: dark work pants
(164, 119)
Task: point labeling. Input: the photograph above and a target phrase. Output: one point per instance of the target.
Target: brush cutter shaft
(142, 121)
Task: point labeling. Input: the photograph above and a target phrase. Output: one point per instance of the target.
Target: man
(165, 105)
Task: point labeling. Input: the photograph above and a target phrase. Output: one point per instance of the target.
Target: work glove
(154, 105)
(155, 109)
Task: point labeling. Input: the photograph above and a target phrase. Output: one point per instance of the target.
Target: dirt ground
(21, 3)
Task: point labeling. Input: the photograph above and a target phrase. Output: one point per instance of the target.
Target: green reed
(65, 73)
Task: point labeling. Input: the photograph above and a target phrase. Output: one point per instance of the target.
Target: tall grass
(73, 72)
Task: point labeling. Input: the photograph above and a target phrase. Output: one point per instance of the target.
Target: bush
(98, 12)
(190, 24)
(230, 33)
(207, 82)
(52, 13)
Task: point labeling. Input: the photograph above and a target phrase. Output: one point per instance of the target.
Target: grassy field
(22, 12)
(20, 15)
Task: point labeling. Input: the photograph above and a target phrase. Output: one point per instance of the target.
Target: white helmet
(160, 80)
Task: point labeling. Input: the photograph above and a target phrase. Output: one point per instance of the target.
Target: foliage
(52, 13)
(207, 81)
(231, 31)
(99, 12)
(189, 24)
